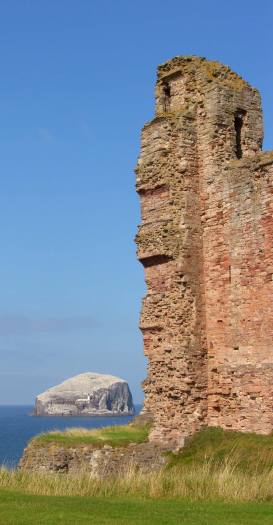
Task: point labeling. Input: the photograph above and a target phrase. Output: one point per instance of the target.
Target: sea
(18, 426)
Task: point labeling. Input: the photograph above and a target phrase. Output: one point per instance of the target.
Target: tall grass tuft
(193, 482)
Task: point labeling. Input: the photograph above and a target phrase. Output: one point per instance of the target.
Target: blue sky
(77, 82)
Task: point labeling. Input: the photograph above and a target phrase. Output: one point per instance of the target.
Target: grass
(248, 452)
(191, 482)
(215, 465)
(115, 436)
(22, 509)
(220, 478)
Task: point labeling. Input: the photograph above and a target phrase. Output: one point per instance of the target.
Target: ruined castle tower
(206, 243)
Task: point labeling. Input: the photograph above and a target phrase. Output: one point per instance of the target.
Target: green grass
(220, 478)
(115, 436)
(194, 483)
(248, 452)
(22, 509)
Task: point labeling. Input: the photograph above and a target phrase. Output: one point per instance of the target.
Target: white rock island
(86, 394)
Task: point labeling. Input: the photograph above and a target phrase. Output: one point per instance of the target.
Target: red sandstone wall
(170, 248)
(206, 244)
(239, 291)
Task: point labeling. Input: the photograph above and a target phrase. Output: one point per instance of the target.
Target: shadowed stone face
(206, 244)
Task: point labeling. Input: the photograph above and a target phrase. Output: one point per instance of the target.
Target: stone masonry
(206, 244)
(97, 461)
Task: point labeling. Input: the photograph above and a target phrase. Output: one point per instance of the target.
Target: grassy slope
(115, 436)
(216, 446)
(20, 509)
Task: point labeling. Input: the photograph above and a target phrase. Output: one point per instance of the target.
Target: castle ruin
(206, 243)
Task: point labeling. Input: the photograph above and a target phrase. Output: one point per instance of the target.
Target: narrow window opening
(229, 274)
(166, 96)
(238, 125)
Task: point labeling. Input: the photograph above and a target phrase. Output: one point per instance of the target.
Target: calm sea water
(17, 427)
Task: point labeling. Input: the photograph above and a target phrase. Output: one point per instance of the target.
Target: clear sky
(77, 81)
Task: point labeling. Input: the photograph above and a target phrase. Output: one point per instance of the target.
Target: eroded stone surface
(206, 243)
(97, 461)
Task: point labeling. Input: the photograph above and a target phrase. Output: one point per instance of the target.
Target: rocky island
(86, 394)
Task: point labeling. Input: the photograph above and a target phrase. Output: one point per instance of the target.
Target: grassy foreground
(21, 509)
(216, 465)
(192, 483)
(220, 478)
